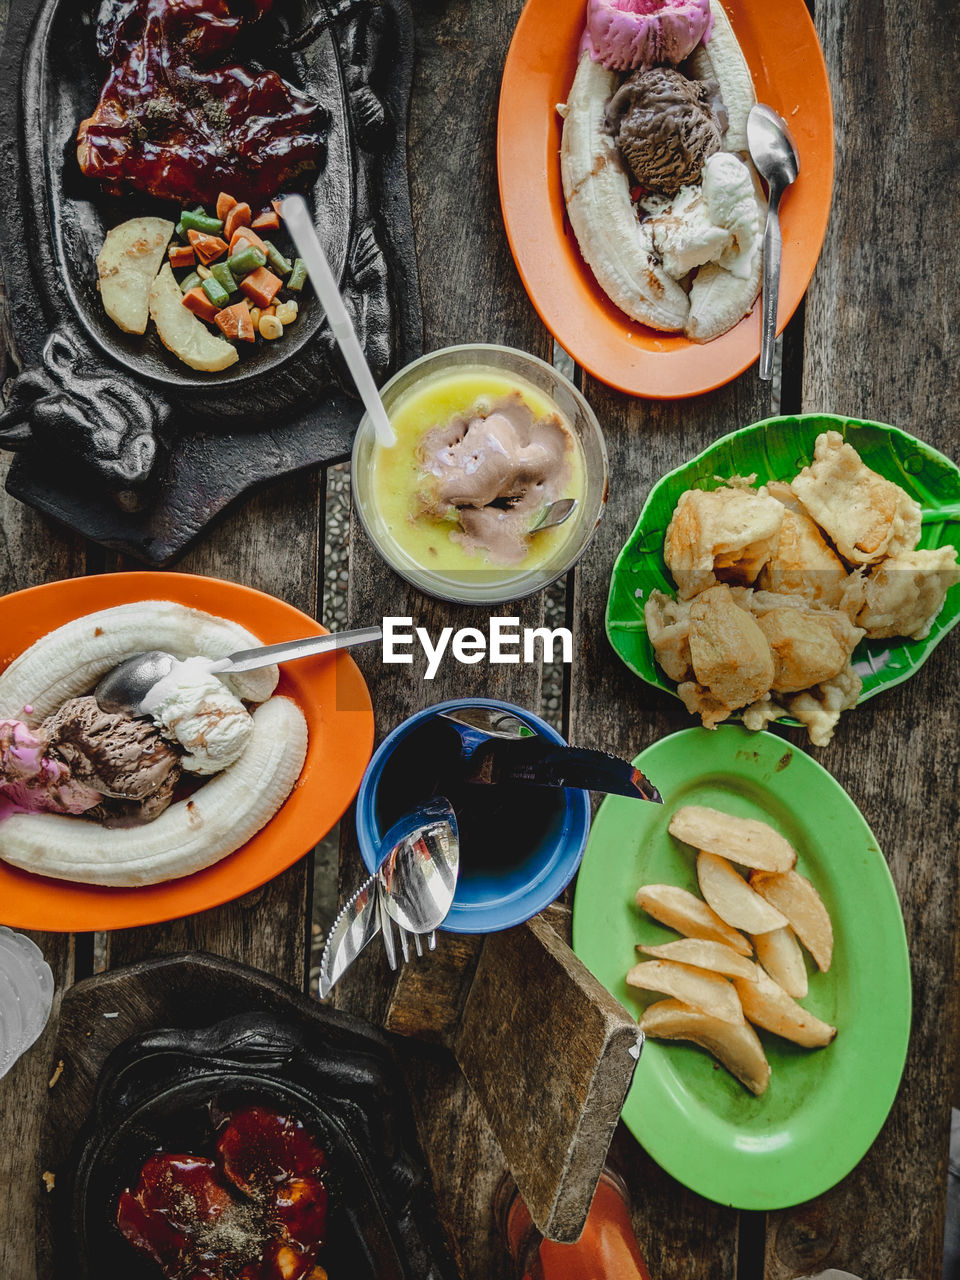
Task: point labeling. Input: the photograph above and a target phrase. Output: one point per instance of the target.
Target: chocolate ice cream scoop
(119, 757)
(495, 468)
(666, 127)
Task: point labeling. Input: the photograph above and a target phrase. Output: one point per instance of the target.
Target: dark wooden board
(344, 1067)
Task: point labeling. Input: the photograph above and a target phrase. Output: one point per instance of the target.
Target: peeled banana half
(616, 245)
(192, 834)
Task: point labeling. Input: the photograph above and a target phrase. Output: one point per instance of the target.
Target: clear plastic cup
(26, 995)
(487, 584)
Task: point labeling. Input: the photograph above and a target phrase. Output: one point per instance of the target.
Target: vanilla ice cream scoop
(715, 221)
(195, 708)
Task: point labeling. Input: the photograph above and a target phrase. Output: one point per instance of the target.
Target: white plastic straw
(294, 211)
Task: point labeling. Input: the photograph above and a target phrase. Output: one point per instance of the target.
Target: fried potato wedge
(767, 1005)
(779, 953)
(743, 840)
(182, 333)
(726, 891)
(715, 956)
(735, 1045)
(798, 901)
(683, 911)
(126, 268)
(695, 987)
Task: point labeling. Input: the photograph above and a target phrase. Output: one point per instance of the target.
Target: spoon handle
(288, 650)
(772, 247)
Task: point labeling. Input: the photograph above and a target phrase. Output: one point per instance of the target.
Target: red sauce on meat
(177, 121)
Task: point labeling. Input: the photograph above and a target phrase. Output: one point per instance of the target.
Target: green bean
(220, 271)
(194, 220)
(192, 281)
(283, 266)
(298, 276)
(247, 260)
(215, 292)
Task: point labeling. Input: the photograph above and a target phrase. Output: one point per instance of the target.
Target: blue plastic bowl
(486, 901)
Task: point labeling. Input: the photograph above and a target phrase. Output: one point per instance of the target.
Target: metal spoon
(418, 876)
(774, 152)
(554, 513)
(124, 688)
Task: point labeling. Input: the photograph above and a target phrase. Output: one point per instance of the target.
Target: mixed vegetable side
(235, 277)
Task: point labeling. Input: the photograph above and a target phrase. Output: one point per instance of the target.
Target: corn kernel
(204, 272)
(287, 312)
(255, 316)
(270, 327)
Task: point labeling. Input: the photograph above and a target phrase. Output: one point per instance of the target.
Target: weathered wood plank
(32, 550)
(882, 342)
(680, 1233)
(471, 292)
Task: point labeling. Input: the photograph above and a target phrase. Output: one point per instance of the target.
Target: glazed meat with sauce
(176, 121)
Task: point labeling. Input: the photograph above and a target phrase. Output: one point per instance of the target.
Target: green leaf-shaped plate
(823, 1107)
(777, 449)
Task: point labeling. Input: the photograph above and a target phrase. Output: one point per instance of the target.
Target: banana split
(665, 205)
(110, 799)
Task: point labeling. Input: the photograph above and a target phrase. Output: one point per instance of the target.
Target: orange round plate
(780, 44)
(329, 690)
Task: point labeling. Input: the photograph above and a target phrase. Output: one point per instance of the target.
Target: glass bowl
(487, 584)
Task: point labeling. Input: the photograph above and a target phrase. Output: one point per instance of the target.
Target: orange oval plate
(329, 690)
(780, 45)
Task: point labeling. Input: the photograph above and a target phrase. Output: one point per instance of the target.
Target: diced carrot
(251, 237)
(269, 220)
(181, 255)
(268, 311)
(196, 300)
(208, 248)
(239, 216)
(235, 322)
(261, 285)
(225, 203)
(275, 205)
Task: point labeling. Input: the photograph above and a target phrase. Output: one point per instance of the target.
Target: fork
(387, 925)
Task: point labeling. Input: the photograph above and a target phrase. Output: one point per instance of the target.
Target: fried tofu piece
(802, 563)
(729, 653)
(904, 595)
(723, 534)
(809, 646)
(820, 708)
(865, 516)
(668, 626)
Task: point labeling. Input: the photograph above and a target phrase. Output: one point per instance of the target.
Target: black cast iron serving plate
(116, 437)
(154, 1091)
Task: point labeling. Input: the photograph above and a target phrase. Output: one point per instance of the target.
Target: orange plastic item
(780, 44)
(608, 1247)
(251, 237)
(329, 691)
(239, 216)
(262, 286)
(269, 220)
(181, 255)
(208, 248)
(225, 203)
(196, 300)
(235, 322)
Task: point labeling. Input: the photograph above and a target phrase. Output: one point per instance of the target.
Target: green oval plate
(776, 450)
(823, 1107)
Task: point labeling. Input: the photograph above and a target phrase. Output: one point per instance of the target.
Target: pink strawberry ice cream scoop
(629, 35)
(21, 751)
(32, 782)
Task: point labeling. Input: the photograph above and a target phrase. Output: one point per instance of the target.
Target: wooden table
(878, 338)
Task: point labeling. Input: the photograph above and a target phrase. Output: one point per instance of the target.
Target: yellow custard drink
(481, 451)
